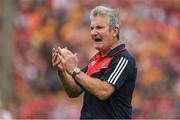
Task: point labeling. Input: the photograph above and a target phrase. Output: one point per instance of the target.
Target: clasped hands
(64, 60)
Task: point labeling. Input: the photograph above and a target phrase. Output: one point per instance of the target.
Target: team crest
(93, 63)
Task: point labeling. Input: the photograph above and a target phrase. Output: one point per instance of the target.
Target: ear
(115, 31)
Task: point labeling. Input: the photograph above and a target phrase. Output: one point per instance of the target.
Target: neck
(110, 48)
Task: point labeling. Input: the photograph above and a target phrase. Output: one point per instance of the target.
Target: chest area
(97, 63)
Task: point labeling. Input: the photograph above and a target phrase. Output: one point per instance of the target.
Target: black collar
(116, 50)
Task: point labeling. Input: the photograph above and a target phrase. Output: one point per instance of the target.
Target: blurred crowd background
(150, 28)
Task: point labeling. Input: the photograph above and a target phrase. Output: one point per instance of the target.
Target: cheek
(108, 38)
(108, 41)
(107, 33)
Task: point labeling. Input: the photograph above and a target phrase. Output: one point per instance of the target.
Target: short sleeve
(84, 69)
(117, 72)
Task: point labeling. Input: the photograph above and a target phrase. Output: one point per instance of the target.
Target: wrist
(76, 71)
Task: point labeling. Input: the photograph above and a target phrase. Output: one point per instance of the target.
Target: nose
(94, 32)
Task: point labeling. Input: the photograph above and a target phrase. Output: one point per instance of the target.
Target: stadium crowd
(149, 27)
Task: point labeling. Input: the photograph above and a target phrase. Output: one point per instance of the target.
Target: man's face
(103, 38)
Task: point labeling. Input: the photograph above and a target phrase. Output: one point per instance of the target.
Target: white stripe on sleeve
(116, 70)
(120, 72)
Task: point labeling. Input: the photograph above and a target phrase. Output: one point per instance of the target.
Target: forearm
(69, 84)
(97, 87)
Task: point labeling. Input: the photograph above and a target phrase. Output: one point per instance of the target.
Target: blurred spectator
(150, 28)
(4, 114)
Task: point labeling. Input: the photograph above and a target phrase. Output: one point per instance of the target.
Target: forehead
(100, 20)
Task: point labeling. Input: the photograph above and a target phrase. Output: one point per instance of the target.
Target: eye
(91, 28)
(99, 27)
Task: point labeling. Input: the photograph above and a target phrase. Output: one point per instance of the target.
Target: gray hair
(112, 14)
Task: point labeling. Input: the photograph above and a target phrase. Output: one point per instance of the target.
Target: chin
(98, 48)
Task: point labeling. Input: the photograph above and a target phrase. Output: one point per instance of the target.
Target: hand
(69, 59)
(57, 60)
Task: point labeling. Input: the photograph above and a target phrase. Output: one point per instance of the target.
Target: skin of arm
(70, 86)
(99, 88)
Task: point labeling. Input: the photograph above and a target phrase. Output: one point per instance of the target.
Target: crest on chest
(96, 64)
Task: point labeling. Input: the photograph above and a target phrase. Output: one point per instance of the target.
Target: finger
(63, 51)
(53, 49)
(60, 51)
(75, 54)
(58, 60)
(54, 52)
(76, 58)
(66, 51)
(55, 62)
(61, 58)
(54, 57)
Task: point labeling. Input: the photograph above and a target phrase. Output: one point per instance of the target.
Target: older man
(109, 78)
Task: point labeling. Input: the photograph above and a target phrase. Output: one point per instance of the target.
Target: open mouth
(97, 40)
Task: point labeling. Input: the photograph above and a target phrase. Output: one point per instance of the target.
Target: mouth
(98, 40)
